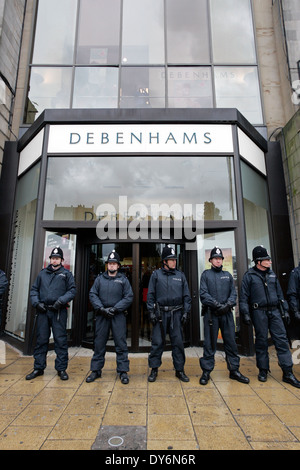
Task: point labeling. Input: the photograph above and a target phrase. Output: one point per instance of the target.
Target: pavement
(167, 415)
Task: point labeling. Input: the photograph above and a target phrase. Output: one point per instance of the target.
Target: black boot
(204, 378)
(124, 378)
(181, 376)
(153, 374)
(236, 375)
(263, 375)
(63, 375)
(35, 373)
(289, 378)
(93, 376)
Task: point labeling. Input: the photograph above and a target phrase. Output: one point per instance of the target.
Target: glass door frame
(84, 241)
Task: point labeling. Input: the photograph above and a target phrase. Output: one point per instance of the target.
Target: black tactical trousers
(226, 324)
(58, 323)
(272, 321)
(171, 323)
(102, 328)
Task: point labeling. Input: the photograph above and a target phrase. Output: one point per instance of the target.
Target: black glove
(41, 308)
(246, 319)
(110, 312)
(224, 308)
(101, 311)
(57, 305)
(185, 318)
(286, 317)
(153, 318)
(296, 315)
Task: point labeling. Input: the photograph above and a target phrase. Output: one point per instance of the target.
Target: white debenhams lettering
(104, 138)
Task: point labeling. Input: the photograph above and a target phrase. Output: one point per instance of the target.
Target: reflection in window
(187, 32)
(144, 182)
(50, 87)
(99, 30)
(142, 87)
(143, 32)
(232, 32)
(95, 87)
(189, 87)
(238, 87)
(55, 32)
(25, 214)
(255, 199)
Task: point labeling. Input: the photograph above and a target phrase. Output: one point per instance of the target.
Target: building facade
(144, 123)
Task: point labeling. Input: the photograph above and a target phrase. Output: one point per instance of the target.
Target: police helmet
(260, 253)
(168, 253)
(57, 251)
(216, 252)
(113, 257)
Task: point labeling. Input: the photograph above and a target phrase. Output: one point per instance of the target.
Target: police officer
(50, 294)
(262, 302)
(169, 304)
(218, 296)
(3, 287)
(293, 292)
(110, 295)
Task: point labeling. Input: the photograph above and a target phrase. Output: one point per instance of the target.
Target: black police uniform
(110, 296)
(261, 300)
(169, 301)
(293, 292)
(50, 294)
(218, 296)
(3, 287)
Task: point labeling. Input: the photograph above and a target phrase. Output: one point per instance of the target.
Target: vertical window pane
(55, 32)
(143, 32)
(238, 87)
(255, 199)
(189, 87)
(187, 31)
(49, 88)
(143, 87)
(95, 87)
(232, 32)
(25, 215)
(99, 32)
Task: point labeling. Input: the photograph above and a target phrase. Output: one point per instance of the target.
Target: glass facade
(76, 187)
(255, 197)
(144, 54)
(25, 215)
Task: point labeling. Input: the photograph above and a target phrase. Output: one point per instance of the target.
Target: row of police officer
(169, 305)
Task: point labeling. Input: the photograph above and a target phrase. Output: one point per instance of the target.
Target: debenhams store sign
(129, 138)
(139, 139)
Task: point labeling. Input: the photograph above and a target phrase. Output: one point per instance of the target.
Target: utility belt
(170, 308)
(265, 308)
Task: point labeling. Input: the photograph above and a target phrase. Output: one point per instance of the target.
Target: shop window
(142, 87)
(238, 87)
(187, 32)
(143, 32)
(55, 32)
(77, 186)
(255, 199)
(232, 32)
(25, 213)
(50, 87)
(95, 87)
(189, 87)
(99, 32)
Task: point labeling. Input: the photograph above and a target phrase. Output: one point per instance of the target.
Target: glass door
(138, 261)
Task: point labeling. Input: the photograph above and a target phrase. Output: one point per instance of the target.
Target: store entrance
(138, 261)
